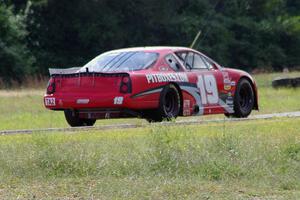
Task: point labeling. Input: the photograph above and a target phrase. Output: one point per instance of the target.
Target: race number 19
(208, 89)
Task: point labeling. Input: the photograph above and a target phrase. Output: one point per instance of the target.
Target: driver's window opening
(173, 63)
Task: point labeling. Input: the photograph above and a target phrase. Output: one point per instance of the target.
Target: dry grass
(22, 92)
(33, 82)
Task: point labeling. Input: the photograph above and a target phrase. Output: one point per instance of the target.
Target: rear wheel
(243, 100)
(169, 105)
(74, 120)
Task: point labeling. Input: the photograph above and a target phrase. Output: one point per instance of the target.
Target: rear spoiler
(75, 71)
(72, 70)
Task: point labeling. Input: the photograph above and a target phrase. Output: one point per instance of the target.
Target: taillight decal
(125, 86)
(51, 86)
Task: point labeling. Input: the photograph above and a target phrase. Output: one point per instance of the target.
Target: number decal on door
(208, 89)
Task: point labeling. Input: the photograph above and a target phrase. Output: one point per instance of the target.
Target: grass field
(231, 160)
(23, 109)
(236, 160)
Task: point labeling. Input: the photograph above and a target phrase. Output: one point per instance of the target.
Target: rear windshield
(121, 61)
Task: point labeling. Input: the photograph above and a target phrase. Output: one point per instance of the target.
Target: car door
(208, 79)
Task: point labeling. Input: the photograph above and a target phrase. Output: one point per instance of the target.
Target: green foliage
(15, 59)
(243, 34)
(236, 33)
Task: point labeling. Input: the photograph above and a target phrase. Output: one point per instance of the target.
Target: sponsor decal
(50, 101)
(230, 102)
(186, 107)
(163, 68)
(233, 83)
(118, 100)
(163, 78)
(82, 101)
(227, 81)
(227, 87)
(225, 75)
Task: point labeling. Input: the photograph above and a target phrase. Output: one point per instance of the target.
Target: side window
(171, 60)
(199, 63)
(181, 55)
(186, 58)
(192, 60)
(189, 61)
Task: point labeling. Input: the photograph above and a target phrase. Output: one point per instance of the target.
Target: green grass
(265, 80)
(277, 100)
(235, 160)
(23, 109)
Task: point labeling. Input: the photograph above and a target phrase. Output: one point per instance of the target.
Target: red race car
(154, 83)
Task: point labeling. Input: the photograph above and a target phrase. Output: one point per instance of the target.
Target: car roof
(160, 49)
(154, 49)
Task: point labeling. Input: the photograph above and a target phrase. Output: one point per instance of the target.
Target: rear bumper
(81, 102)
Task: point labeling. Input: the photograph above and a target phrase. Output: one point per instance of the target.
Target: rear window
(121, 61)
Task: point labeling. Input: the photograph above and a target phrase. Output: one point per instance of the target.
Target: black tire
(244, 100)
(286, 82)
(169, 105)
(74, 120)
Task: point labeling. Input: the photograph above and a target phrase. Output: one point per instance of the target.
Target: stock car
(154, 83)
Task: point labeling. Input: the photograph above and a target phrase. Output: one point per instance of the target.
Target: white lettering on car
(118, 100)
(163, 78)
(50, 101)
(186, 107)
(208, 89)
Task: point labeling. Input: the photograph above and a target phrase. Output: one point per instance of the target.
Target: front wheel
(74, 120)
(243, 100)
(169, 105)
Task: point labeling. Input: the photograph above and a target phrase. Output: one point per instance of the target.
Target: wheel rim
(170, 105)
(245, 98)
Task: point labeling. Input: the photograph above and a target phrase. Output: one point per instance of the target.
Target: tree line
(245, 34)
